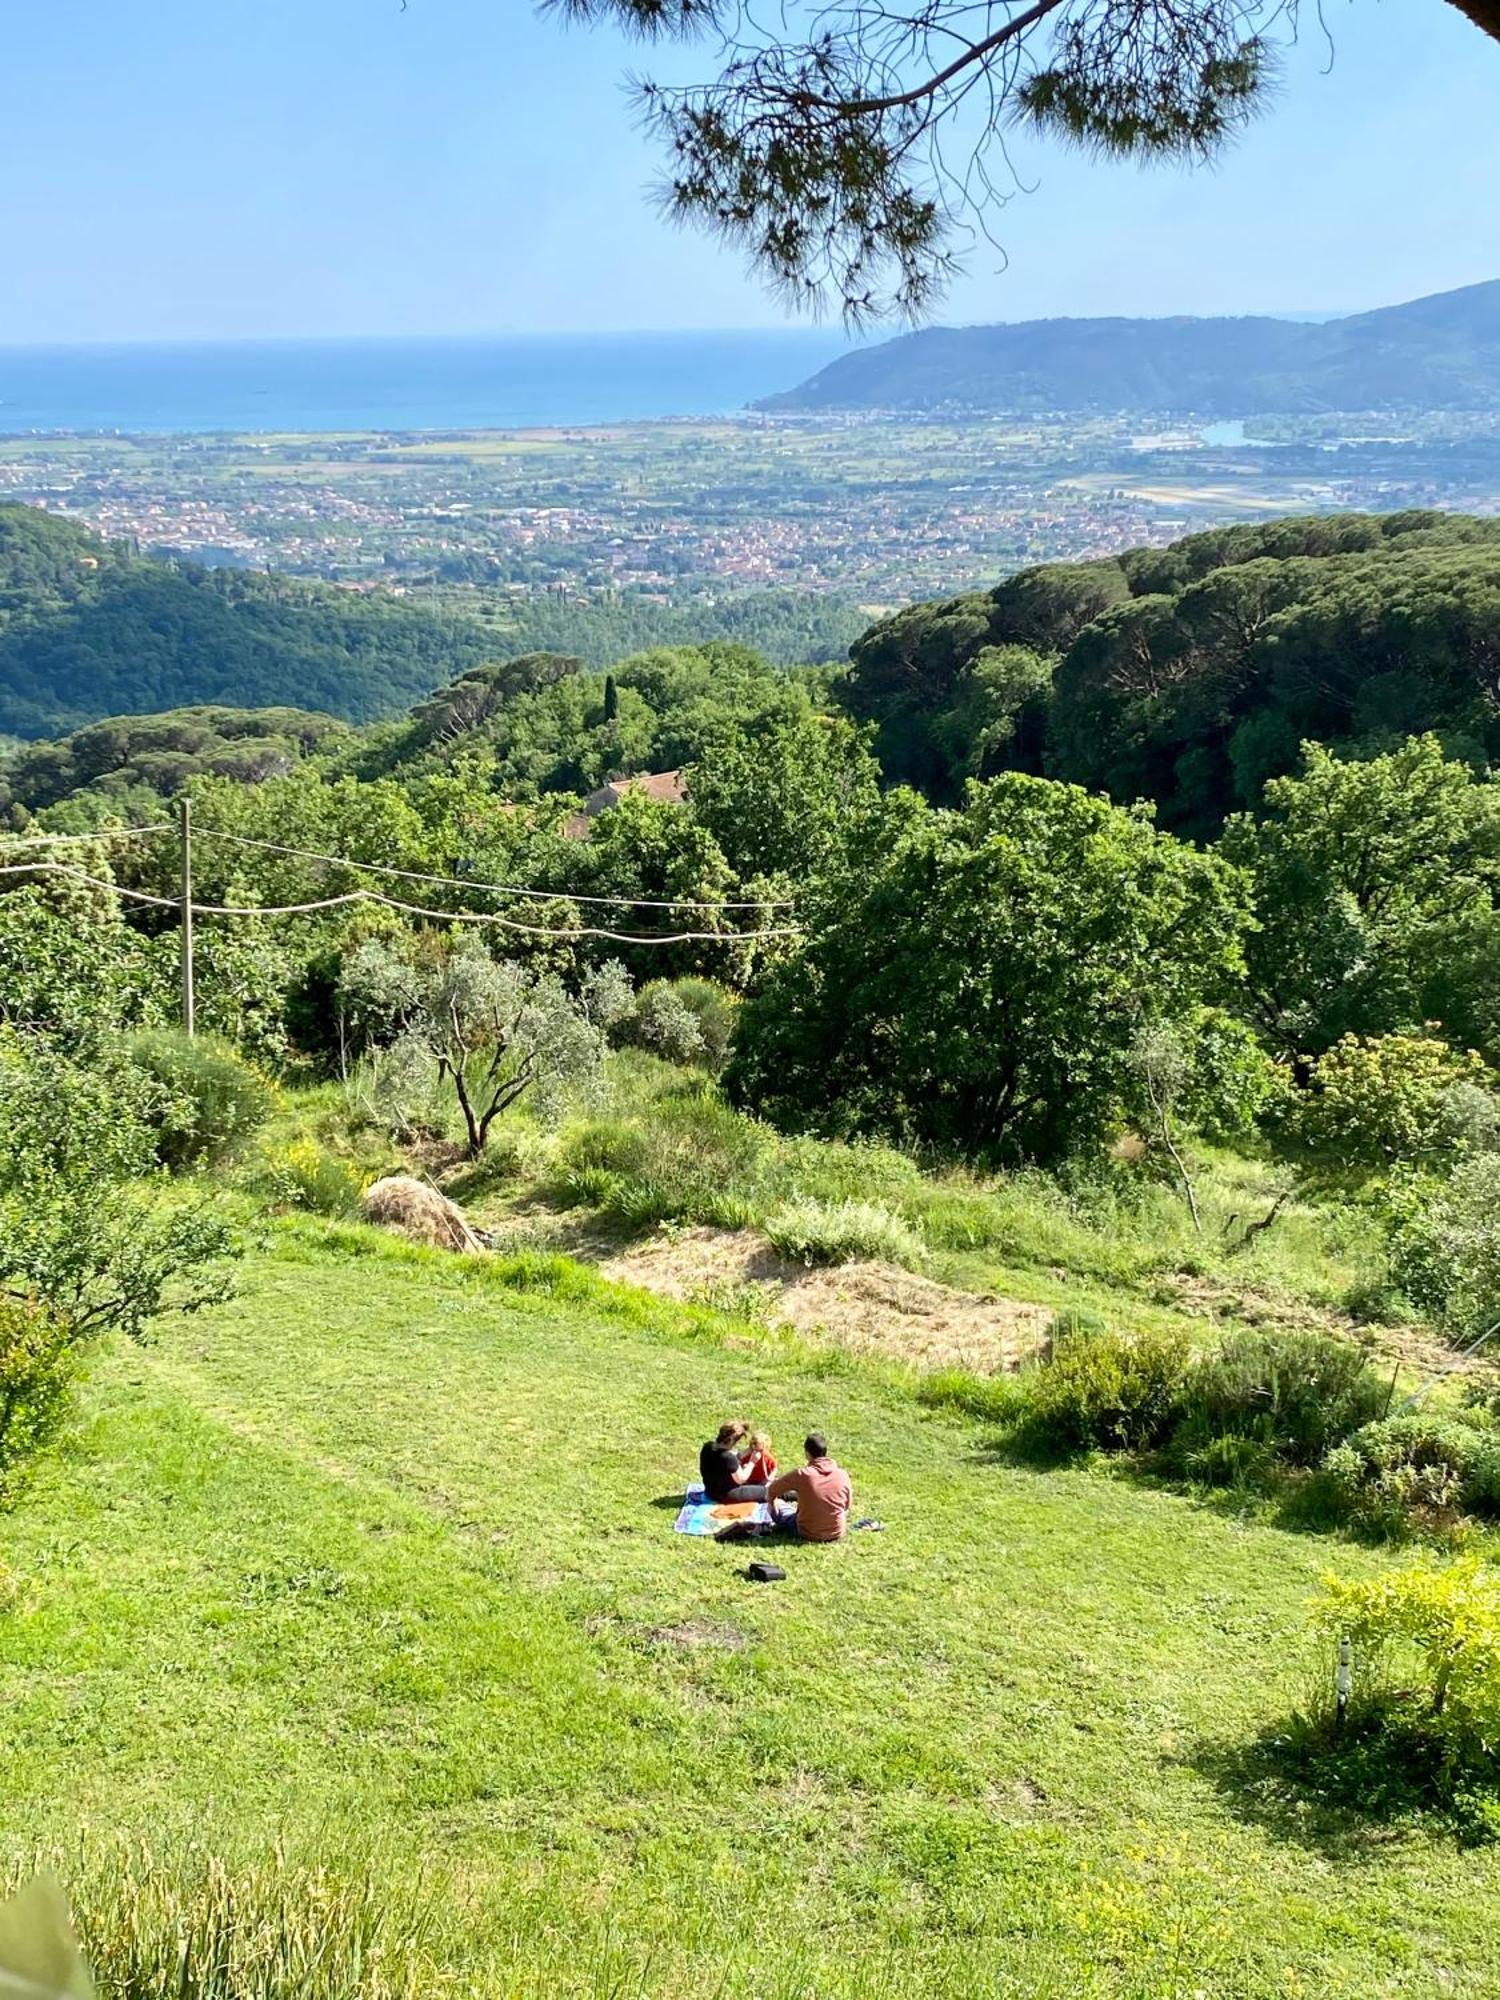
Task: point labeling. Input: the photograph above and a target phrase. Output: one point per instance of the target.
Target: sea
(496, 382)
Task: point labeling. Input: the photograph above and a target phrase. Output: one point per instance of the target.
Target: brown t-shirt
(823, 1495)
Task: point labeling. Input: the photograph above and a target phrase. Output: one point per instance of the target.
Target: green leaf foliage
(975, 980)
(1191, 675)
(81, 1234)
(1377, 900)
(1428, 1641)
(1374, 1102)
(208, 1100)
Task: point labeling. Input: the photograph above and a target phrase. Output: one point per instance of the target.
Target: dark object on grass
(874, 1527)
(740, 1531)
(764, 1572)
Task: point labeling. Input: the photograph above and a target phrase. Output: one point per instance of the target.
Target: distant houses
(667, 786)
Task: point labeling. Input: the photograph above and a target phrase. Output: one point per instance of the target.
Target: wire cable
(393, 903)
(489, 888)
(94, 882)
(8, 840)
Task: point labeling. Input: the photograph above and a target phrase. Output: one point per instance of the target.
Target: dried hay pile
(417, 1210)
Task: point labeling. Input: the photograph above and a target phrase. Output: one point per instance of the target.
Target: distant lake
(1232, 432)
(500, 382)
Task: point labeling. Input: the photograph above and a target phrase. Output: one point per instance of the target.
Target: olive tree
(484, 1030)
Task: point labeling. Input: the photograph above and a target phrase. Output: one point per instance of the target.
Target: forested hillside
(1435, 353)
(790, 627)
(88, 630)
(1190, 675)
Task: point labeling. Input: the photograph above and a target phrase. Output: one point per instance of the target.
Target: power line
(490, 888)
(8, 840)
(94, 882)
(410, 909)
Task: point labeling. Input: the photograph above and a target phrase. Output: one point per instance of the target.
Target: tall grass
(186, 1925)
(655, 1144)
(833, 1232)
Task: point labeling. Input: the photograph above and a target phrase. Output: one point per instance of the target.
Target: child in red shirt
(757, 1459)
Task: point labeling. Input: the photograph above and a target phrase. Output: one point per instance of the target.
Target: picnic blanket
(702, 1516)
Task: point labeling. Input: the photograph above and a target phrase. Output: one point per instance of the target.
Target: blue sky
(186, 169)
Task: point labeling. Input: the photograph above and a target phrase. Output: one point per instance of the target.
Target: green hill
(88, 630)
(379, 1553)
(1438, 353)
(1191, 674)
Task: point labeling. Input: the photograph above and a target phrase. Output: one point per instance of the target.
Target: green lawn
(378, 1545)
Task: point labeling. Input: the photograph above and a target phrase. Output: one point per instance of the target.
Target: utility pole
(185, 917)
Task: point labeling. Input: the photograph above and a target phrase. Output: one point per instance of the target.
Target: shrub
(1375, 1100)
(1427, 1643)
(1422, 1459)
(662, 1022)
(693, 1160)
(37, 1357)
(1227, 1460)
(680, 1020)
(1294, 1394)
(834, 1232)
(208, 1099)
(1444, 1234)
(302, 1175)
(607, 996)
(1098, 1388)
(714, 1008)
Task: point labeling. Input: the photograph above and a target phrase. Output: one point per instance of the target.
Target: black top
(717, 1465)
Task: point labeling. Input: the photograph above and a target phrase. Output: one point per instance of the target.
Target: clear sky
(185, 169)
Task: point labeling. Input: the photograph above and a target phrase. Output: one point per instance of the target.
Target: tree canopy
(1377, 900)
(978, 980)
(1190, 675)
(841, 144)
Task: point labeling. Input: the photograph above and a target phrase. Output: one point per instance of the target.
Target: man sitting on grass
(822, 1492)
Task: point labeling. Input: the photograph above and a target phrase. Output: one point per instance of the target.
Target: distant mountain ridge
(1436, 353)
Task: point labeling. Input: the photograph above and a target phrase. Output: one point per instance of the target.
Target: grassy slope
(374, 1544)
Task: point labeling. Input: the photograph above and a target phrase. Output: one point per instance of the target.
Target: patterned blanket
(702, 1516)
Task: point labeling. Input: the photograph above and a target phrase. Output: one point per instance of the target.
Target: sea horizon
(399, 382)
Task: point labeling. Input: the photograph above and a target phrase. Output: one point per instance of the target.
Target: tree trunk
(471, 1120)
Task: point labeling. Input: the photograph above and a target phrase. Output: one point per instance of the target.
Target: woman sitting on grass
(727, 1472)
